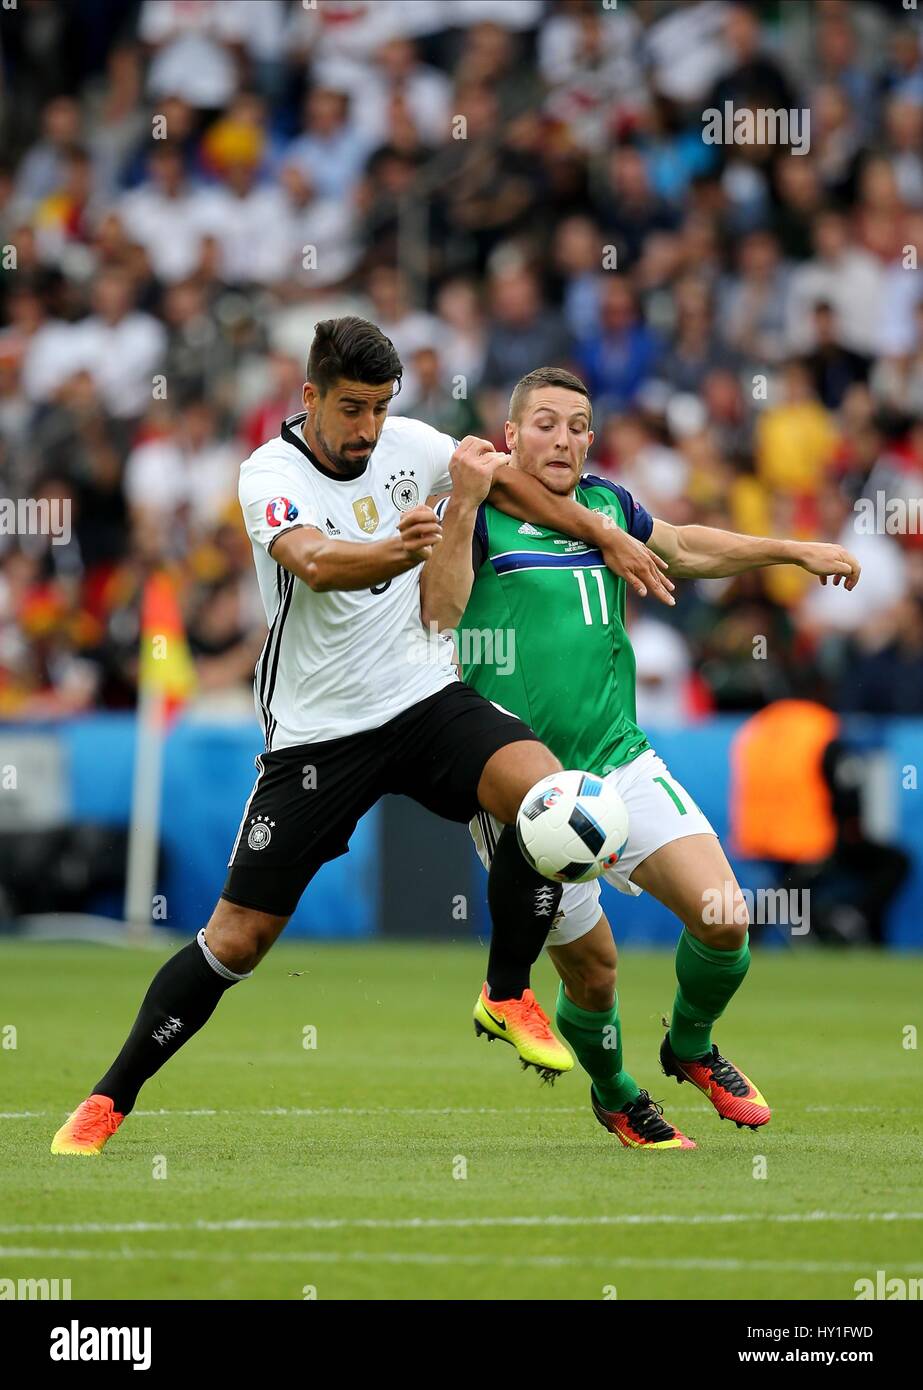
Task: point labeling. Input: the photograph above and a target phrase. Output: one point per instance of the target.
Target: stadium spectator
(822, 613)
(834, 368)
(483, 193)
(664, 669)
(577, 259)
(409, 329)
(119, 346)
(41, 170)
(283, 398)
(796, 438)
(799, 199)
(591, 64)
(631, 451)
(898, 380)
(447, 410)
(885, 672)
(461, 329)
(183, 475)
(190, 43)
(696, 349)
(753, 300)
(842, 275)
(629, 209)
(521, 329)
(841, 61)
(332, 149)
(198, 355)
(618, 358)
(169, 215)
(398, 71)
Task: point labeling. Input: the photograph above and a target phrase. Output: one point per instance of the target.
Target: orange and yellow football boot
(733, 1095)
(524, 1024)
(640, 1124)
(88, 1128)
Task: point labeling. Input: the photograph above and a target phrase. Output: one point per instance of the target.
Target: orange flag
(166, 666)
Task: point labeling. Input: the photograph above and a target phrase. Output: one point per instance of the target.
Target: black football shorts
(307, 800)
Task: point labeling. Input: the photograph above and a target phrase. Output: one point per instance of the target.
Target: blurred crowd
(189, 185)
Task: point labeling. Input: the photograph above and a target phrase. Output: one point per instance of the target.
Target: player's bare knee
(595, 985)
(510, 773)
(240, 937)
(725, 919)
(589, 979)
(233, 946)
(545, 764)
(726, 938)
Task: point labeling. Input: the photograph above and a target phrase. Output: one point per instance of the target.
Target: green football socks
(707, 980)
(597, 1041)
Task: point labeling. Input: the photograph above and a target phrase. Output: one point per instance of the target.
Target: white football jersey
(339, 662)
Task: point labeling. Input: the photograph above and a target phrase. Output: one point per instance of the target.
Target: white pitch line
(309, 1257)
(334, 1110)
(435, 1223)
(861, 1109)
(282, 1111)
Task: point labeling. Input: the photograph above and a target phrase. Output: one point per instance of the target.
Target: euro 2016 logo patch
(260, 832)
(280, 509)
(405, 492)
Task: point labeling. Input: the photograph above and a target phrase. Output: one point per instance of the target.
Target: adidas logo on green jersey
(527, 529)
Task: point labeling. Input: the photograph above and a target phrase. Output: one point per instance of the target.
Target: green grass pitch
(401, 1157)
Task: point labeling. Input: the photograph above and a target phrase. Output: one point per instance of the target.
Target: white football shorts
(660, 810)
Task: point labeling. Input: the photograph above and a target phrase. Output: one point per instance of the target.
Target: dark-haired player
(574, 680)
(356, 699)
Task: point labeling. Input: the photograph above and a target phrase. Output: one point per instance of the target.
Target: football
(572, 826)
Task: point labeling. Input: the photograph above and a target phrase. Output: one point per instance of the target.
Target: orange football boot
(733, 1095)
(524, 1023)
(90, 1126)
(640, 1124)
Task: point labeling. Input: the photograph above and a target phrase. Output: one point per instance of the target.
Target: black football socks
(181, 998)
(523, 904)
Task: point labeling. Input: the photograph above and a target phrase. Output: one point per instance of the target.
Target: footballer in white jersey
(354, 684)
(339, 662)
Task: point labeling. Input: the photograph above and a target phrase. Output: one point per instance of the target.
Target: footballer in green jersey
(538, 618)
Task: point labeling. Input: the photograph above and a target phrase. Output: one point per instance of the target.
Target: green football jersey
(544, 632)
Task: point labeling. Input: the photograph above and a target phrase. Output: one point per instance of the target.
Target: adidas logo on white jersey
(527, 529)
(331, 529)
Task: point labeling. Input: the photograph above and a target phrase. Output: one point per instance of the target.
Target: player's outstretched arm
(324, 564)
(445, 583)
(704, 552)
(520, 495)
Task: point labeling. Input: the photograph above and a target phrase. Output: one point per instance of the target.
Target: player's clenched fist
(472, 468)
(419, 530)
